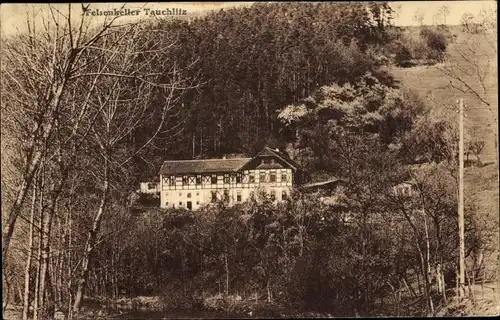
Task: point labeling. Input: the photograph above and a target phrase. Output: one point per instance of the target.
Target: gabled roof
(176, 167)
(270, 152)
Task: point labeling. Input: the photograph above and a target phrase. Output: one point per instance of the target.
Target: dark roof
(270, 152)
(175, 167)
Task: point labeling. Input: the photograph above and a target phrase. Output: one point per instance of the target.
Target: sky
(13, 16)
(429, 8)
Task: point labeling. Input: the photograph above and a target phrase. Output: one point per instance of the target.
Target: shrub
(180, 295)
(148, 200)
(436, 40)
(403, 56)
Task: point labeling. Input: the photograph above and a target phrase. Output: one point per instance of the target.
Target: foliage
(403, 57)
(308, 76)
(253, 60)
(366, 108)
(425, 47)
(435, 41)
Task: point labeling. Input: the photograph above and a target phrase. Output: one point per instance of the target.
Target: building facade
(191, 184)
(149, 187)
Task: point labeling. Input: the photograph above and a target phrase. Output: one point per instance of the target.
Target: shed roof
(322, 183)
(175, 167)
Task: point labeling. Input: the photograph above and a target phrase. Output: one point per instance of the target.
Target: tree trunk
(27, 269)
(428, 289)
(268, 288)
(16, 209)
(58, 272)
(69, 265)
(194, 145)
(226, 268)
(91, 241)
(418, 282)
(410, 288)
(5, 292)
(479, 162)
(44, 269)
(38, 297)
(33, 163)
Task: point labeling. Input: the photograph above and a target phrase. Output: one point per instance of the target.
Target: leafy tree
(436, 41)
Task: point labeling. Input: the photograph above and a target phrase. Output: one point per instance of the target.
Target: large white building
(193, 183)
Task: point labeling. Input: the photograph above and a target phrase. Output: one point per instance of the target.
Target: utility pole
(461, 226)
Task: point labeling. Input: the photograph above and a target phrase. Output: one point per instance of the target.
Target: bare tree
(471, 66)
(124, 106)
(443, 12)
(418, 17)
(476, 147)
(62, 85)
(39, 67)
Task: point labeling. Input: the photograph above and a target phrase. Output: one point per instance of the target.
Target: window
(197, 203)
(266, 161)
(197, 194)
(185, 180)
(238, 178)
(171, 181)
(272, 176)
(284, 177)
(252, 195)
(180, 194)
(251, 178)
(226, 195)
(189, 195)
(273, 195)
(180, 204)
(262, 177)
(226, 178)
(166, 204)
(238, 196)
(151, 186)
(214, 179)
(198, 179)
(283, 195)
(214, 196)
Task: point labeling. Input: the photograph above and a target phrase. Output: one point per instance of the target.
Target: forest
(90, 110)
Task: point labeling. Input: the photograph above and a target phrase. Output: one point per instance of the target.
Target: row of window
(272, 195)
(188, 204)
(225, 198)
(186, 180)
(188, 194)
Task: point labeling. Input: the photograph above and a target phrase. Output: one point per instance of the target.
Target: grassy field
(473, 58)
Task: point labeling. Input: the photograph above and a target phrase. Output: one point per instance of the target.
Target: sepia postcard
(229, 160)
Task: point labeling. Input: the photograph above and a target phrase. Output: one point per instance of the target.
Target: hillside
(481, 184)
(435, 88)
